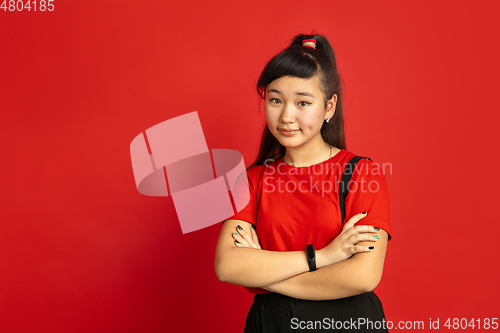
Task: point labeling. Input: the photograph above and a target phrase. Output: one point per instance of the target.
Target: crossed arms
(287, 273)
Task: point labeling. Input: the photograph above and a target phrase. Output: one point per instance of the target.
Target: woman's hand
(243, 239)
(344, 245)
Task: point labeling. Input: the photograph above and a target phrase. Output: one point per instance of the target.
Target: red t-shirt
(300, 205)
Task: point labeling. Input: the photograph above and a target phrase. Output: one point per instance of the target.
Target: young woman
(289, 246)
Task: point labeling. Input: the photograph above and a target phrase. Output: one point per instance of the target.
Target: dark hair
(304, 62)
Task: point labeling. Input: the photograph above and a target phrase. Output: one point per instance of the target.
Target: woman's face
(295, 110)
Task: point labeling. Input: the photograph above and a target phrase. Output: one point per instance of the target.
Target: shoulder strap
(344, 182)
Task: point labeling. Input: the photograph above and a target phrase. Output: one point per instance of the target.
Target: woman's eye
(304, 103)
(275, 101)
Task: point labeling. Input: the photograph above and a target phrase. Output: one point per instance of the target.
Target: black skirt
(276, 313)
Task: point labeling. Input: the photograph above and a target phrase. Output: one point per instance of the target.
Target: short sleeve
(368, 192)
(247, 184)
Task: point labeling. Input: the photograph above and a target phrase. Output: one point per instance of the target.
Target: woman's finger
(354, 239)
(358, 248)
(248, 238)
(255, 238)
(359, 229)
(353, 220)
(242, 242)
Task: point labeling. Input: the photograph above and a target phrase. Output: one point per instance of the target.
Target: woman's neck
(306, 156)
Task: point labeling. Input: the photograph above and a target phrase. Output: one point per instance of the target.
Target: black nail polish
(364, 212)
(371, 247)
(376, 228)
(236, 241)
(240, 227)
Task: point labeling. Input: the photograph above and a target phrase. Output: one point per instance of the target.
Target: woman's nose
(288, 114)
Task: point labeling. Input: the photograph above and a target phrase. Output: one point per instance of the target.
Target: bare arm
(253, 267)
(350, 277)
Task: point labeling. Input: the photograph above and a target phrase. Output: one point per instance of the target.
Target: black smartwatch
(311, 257)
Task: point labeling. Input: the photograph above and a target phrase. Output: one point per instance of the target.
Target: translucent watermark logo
(332, 324)
(322, 187)
(354, 324)
(172, 158)
(323, 178)
(327, 168)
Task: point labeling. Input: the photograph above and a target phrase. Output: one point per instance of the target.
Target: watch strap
(311, 257)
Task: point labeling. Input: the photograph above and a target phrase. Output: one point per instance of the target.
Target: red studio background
(81, 250)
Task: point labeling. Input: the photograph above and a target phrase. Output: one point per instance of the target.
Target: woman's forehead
(295, 85)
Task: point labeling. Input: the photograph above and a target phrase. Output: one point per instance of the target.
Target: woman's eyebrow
(300, 93)
(274, 91)
(305, 93)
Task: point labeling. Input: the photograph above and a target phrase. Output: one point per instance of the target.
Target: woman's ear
(330, 106)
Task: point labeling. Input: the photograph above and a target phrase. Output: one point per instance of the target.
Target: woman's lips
(288, 132)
